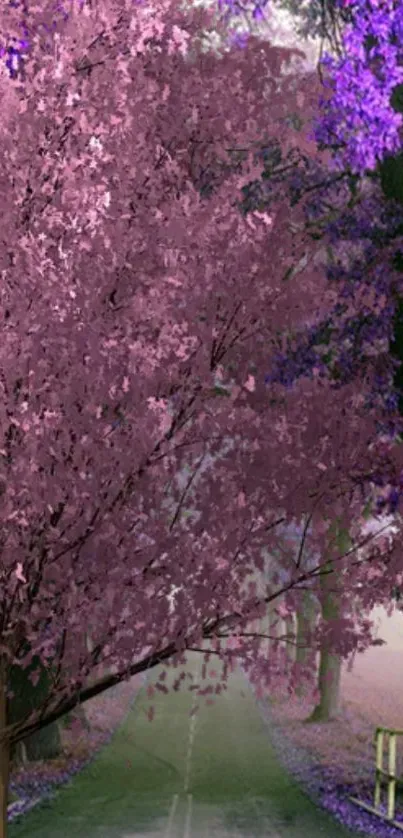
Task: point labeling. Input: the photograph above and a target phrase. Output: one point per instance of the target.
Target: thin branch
(185, 491)
(20, 730)
(316, 572)
(217, 344)
(301, 548)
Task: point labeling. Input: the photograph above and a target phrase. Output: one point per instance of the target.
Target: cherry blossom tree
(139, 319)
(366, 239)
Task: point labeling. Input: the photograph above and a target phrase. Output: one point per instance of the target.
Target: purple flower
(359, 120)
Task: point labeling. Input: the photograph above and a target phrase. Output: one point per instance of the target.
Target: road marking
(188, 817)
(190, 740)
(190, 748)
(167, 833)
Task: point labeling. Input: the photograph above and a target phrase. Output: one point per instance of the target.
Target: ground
(232, 769)
(213, 775)
(343, 751)
(104, 714)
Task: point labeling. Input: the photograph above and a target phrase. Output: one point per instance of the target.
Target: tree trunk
(330, 663)
(79, 712)
(290, 632)
(278, 628)
(37, 747)
(4, 752)
(45, 743)
(18, 754)
(306, 618)
(329, 686)
(272, 630)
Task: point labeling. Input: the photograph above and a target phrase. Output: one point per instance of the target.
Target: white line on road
(167, 833)
(190, 748)
(188, 817)
(191, 738)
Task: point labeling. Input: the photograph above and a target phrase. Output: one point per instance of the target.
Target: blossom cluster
(359, 123)
(358, 120)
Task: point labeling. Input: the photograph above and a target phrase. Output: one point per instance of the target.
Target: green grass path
(210, 776)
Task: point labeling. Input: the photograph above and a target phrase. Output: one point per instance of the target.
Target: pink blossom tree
(138, 324)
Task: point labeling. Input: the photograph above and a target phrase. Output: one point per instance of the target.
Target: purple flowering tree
(138, 324)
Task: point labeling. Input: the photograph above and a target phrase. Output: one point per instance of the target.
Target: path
(209, 776)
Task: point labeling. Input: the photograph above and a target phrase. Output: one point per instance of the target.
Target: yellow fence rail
(381, 774)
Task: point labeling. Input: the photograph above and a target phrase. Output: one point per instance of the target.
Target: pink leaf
(19, 573)
(250, 384)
